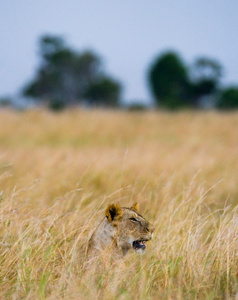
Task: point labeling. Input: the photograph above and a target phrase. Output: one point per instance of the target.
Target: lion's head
(124, 228)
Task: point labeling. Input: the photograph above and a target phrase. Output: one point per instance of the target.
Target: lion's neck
(104, 236)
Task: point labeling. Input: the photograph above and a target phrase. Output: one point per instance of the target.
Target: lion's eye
(134, 220)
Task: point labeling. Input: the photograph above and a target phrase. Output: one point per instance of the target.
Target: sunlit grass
(59, 171)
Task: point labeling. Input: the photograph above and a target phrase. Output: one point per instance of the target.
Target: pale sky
(127, 34)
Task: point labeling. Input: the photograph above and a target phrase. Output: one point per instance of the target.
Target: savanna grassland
(59, 171)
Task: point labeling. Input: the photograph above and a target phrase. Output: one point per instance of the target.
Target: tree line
(175, 85)
(66, 76)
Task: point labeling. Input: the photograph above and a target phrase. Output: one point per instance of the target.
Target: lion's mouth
(139, 244)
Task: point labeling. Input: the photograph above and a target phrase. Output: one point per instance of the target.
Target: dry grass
(58, 172)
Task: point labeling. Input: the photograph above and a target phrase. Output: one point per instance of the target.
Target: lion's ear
(135, 206)
(113, 211)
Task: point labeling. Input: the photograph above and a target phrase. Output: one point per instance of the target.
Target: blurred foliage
(56, 104)
(205, 79)
(174, 85)
(168, 78)
(228, 98)
(103, 92)
(137, 106)
(68, 77)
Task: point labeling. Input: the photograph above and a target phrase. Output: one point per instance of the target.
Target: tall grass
(59, 171)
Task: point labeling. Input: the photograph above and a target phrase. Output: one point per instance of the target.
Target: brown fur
(119, 229)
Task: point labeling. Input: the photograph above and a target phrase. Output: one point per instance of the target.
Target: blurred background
(119, 54)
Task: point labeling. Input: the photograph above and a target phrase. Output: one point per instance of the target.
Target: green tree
(105, 92)
(228, 98)
(168, 80)
(65, 76)
(205, 79)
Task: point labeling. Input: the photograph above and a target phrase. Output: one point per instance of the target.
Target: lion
(122, 229)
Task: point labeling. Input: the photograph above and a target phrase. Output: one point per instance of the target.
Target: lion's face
(133, 230)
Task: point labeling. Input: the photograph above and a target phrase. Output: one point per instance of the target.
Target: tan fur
(119, 229)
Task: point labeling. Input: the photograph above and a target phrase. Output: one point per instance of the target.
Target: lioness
(122, 228)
